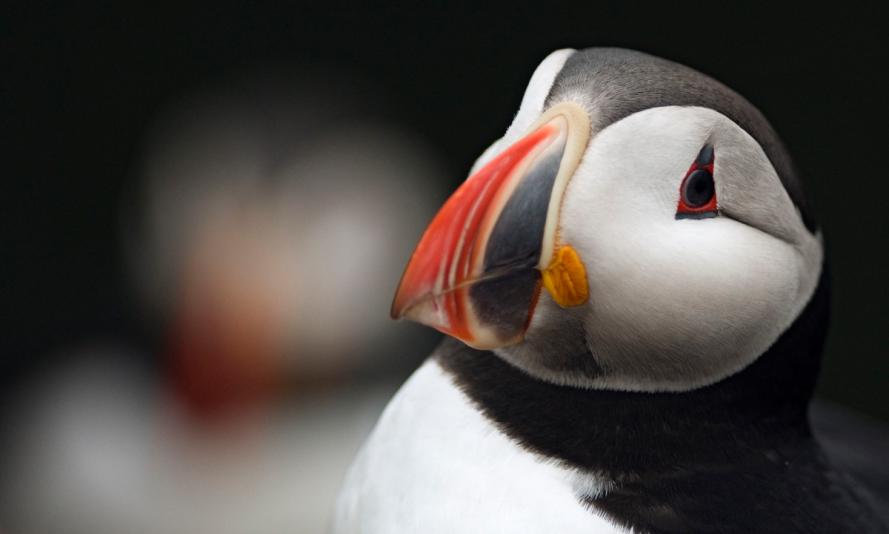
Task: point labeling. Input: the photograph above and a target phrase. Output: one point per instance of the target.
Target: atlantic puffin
(635, 297)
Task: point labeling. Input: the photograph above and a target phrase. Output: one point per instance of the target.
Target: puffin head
(639, 227)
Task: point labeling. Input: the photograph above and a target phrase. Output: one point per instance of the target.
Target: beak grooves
(477, 269)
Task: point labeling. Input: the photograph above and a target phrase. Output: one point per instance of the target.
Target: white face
(674, 303)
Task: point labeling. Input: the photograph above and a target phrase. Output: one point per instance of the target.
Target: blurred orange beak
(477, 271)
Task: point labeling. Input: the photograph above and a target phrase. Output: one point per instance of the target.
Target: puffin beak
(477, 271)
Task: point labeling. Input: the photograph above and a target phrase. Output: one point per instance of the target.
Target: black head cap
(618, 83)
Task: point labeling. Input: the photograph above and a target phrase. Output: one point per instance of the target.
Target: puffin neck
(618, 433)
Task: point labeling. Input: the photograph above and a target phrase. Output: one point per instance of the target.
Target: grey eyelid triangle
(705, 156)
(697, 215)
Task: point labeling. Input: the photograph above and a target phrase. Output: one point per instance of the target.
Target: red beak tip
(396, 312)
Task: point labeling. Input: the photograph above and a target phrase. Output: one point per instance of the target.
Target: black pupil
(699, 188)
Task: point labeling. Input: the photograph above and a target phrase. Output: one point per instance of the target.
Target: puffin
(635, 297)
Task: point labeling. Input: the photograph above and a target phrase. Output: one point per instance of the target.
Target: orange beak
(476, 273)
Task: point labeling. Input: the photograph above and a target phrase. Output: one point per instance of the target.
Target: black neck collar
(617, 433)
(733, 457)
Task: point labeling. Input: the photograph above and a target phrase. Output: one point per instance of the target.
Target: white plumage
(435, 464)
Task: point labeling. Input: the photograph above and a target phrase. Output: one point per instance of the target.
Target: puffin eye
(697, 194)
(699, 188)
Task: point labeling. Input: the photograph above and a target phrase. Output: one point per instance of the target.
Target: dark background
(81, 84)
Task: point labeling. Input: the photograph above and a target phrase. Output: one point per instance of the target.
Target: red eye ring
(697, 193)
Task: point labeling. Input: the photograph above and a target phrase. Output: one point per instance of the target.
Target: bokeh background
(206, 209)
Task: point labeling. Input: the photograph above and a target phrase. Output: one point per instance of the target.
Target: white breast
(435, 464)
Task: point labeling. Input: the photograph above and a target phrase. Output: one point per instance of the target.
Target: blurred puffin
(636, 294)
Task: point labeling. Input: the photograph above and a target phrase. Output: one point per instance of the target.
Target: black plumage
(735, 456)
